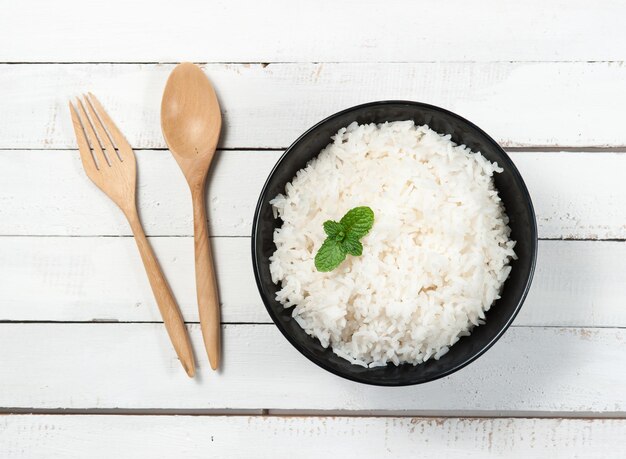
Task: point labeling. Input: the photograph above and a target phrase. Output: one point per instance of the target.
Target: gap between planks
(163, 236)
(523, 149)
(191, 322)
(282, 413)
(266, 64)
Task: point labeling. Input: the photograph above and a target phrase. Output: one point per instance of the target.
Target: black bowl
(511, 188)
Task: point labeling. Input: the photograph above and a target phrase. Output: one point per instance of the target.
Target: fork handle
(206, 283)
(174, 323)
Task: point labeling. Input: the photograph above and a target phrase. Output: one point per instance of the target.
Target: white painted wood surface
(576, 195)
(326, 30)
(534, 370)
(281, 437)
(577, 284)
(520, 104)
(545, 79)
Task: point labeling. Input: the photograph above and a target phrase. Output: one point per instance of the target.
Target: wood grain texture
(519, 104)
(163, 195)
(577, 284)
(167, 305)
(245, 30)
(242, 437)
(68, 274)
(133, 366)
(576, 195)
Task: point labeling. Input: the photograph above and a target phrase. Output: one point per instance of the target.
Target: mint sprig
(344, 238)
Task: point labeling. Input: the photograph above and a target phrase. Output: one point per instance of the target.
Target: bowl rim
(321, 362)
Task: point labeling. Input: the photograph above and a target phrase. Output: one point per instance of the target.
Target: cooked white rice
(433, 263)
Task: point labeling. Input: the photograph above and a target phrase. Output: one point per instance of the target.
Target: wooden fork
(115, 174)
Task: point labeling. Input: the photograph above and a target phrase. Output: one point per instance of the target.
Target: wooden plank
(245, 31)
(69, 204)
(577, 284)
(133, 366)
(519, 104)
(576, 195)
(102, 279)
(32, 437)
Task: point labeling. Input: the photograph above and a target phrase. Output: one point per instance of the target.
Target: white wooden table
(86, 369)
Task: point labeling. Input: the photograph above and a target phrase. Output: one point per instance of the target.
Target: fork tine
(102, 133)
(89, 162)
(101, 160)
(124, 148)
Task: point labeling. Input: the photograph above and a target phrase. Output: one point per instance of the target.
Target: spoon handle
(206, 284)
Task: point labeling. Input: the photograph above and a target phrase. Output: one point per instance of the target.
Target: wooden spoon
(191, 122)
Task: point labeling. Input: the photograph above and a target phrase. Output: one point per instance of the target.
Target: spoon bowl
(190, 114)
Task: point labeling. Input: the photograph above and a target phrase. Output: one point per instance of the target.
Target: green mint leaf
(353, 246)
(343, 238)
(330, 255)
(358, 221)
(334, 229)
